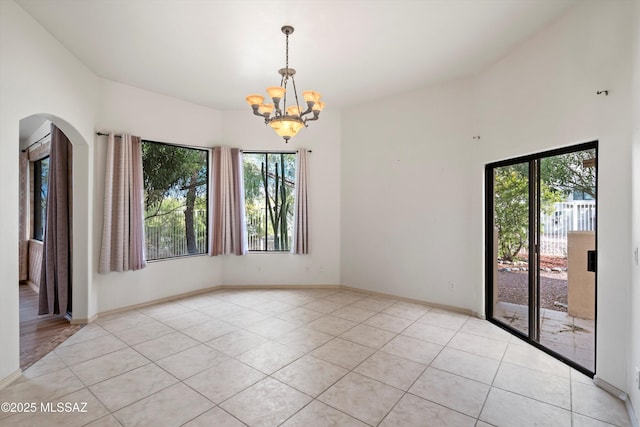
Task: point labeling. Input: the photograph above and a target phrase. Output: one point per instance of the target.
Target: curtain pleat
(137, 245)
(228, 229)
(123, 228)
(301, 212)
(55, 279)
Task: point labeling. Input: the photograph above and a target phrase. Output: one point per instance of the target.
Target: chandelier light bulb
(311, 96)
(255, 99)
(276, 92)
(294, 110)
(318, 106)
(265, 108)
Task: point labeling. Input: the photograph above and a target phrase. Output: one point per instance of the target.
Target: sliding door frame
(533, 335)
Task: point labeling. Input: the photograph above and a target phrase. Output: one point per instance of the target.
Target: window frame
(39, 212)
(208, 163)
(266, 250)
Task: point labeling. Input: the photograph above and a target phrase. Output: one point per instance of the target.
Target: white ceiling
(215, 52)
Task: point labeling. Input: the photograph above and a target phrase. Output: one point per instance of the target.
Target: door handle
(592, 262)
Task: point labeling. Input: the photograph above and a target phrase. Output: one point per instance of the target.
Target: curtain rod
(158, 142)
(106, 134)
(202, 148)
(270, 151)
(37, 142)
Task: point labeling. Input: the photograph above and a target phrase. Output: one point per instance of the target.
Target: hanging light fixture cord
(293, 79)
(285, 76)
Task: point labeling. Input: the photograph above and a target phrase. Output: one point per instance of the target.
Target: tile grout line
(352, 370)
(299, 325)
(492, 381)
(571, 394)
(429, 366)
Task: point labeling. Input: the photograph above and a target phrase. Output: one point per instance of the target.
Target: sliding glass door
(541, 259)
(511, 245)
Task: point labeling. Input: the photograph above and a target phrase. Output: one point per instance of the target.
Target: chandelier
(286, 121)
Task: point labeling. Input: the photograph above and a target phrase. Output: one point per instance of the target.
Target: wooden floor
(39, 334)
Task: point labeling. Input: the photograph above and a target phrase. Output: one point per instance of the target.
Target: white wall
(634, 302)
(163, 119)
(412, 205)
(322, 265)
(39, 76)
(406, 196)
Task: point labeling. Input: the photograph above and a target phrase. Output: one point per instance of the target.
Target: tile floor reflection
(572, 337)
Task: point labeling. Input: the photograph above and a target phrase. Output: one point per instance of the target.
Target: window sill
(150, 261)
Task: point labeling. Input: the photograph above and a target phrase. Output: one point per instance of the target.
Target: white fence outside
(165, 235)
(567, 216)
(255, 238)
(256, 223)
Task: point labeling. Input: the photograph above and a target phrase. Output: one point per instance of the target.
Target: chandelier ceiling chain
(285, 76)
(286, 121)
(286, 54)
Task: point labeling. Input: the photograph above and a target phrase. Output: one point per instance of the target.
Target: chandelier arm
(309, 109)
(295, 93)
(276, 104)
(284, 104)
(283, 83)
(316, 116)
(256, 111)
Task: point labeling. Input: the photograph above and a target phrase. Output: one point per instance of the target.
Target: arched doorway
(40, 334)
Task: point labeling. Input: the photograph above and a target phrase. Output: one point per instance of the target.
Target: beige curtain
(123, 228)
(23, 225)
(55, 281)
(228, 234)
(301, 212)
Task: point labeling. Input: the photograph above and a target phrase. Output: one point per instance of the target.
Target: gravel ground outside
(513, 286)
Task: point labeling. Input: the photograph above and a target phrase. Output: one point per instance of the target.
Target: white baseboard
(411, 300)
(9, 379)
(616, 392)
(631, 412)
(83, 321)
(155, 301)
(611, 389)
(223, 287)
(33, 286)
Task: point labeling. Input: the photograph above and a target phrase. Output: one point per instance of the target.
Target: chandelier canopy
(286, 121)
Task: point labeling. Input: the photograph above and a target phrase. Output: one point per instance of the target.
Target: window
(40, 187)
(175, 197)
(269, 184)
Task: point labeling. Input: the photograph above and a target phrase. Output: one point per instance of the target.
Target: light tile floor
(313, 357)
